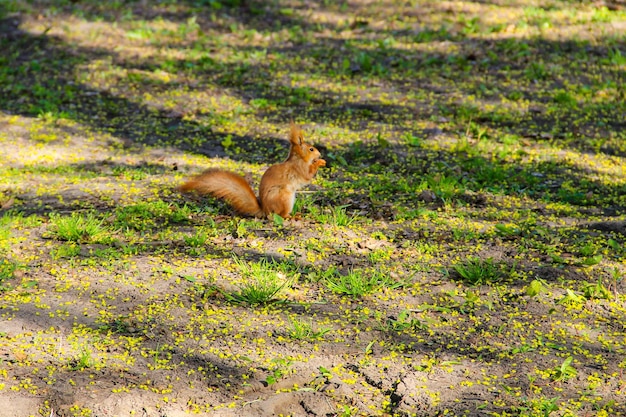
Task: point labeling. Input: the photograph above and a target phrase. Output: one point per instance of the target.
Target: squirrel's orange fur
(277, 192)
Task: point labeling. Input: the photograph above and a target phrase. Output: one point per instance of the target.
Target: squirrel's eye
(311, 149)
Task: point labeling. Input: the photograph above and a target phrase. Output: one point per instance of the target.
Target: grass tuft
(304, 330)
(477, 271)
(79, 228)
(263, 283)
(360, 282)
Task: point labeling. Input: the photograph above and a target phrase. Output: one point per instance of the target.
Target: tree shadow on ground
(326, 56)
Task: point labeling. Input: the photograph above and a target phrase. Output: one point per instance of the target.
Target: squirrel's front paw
(320, 163)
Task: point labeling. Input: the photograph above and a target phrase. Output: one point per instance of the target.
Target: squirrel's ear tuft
(295, 136)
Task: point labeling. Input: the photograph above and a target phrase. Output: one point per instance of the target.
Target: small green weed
(596, 291)
(538, 17)
(380, 255)
(536, 71)
(68, 250)
(412, 140)
(602, 14)
(444, 187)
(591, 260)
(278, 220)
(539, 407)
(260, 103)
(197, 241)
(536, 287)
(263, 284)
(161, 357)
(470, 26)
(79, 228)
(280, 367)
(322, 379)
(508, 230)
(7, 271)
(402, 323)
(617, 249)
(83, 360)
(462, 234)
(565, 371)
(136, 217)
(616, 278)
(238, 228)
(349, 411)
(564, 98)
(366, 63)
(525, 228)
(525, 348)
(303, 202)
(303, 330)
(572, 299)
(428, 35)
(616, 57)
(144, 216)
(336, 216)
(323, 274)
(477, 271)
(358, 283)
(470, 300)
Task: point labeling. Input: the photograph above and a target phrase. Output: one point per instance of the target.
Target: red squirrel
(277, 192)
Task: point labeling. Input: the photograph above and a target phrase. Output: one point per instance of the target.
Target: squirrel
(277, 192)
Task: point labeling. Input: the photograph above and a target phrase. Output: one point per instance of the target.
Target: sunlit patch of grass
(5, 234)
(134, 173)
(380, 255)
(84, 360)
(198, 241)
(7, 271)
(68, 250)
(401, 323)
(148, 215)
(305, 330)
(79, 228)
(360, 282)
(262, 284)
(564, 371)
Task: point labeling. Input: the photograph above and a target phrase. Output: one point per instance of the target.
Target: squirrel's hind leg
(278, 200)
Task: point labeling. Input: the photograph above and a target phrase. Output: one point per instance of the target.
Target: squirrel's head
(306, 151)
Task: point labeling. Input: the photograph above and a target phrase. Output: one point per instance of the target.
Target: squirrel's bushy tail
(231, 187)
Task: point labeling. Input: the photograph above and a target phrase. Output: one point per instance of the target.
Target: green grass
(144, 216)
(361, 282)
(7, 272)
(79, 228)
(477, 271)
(334, 216)
(564, 371)
(68, 250)
(82, 361)
(263, 283)
(446, 187)
(300, 329)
